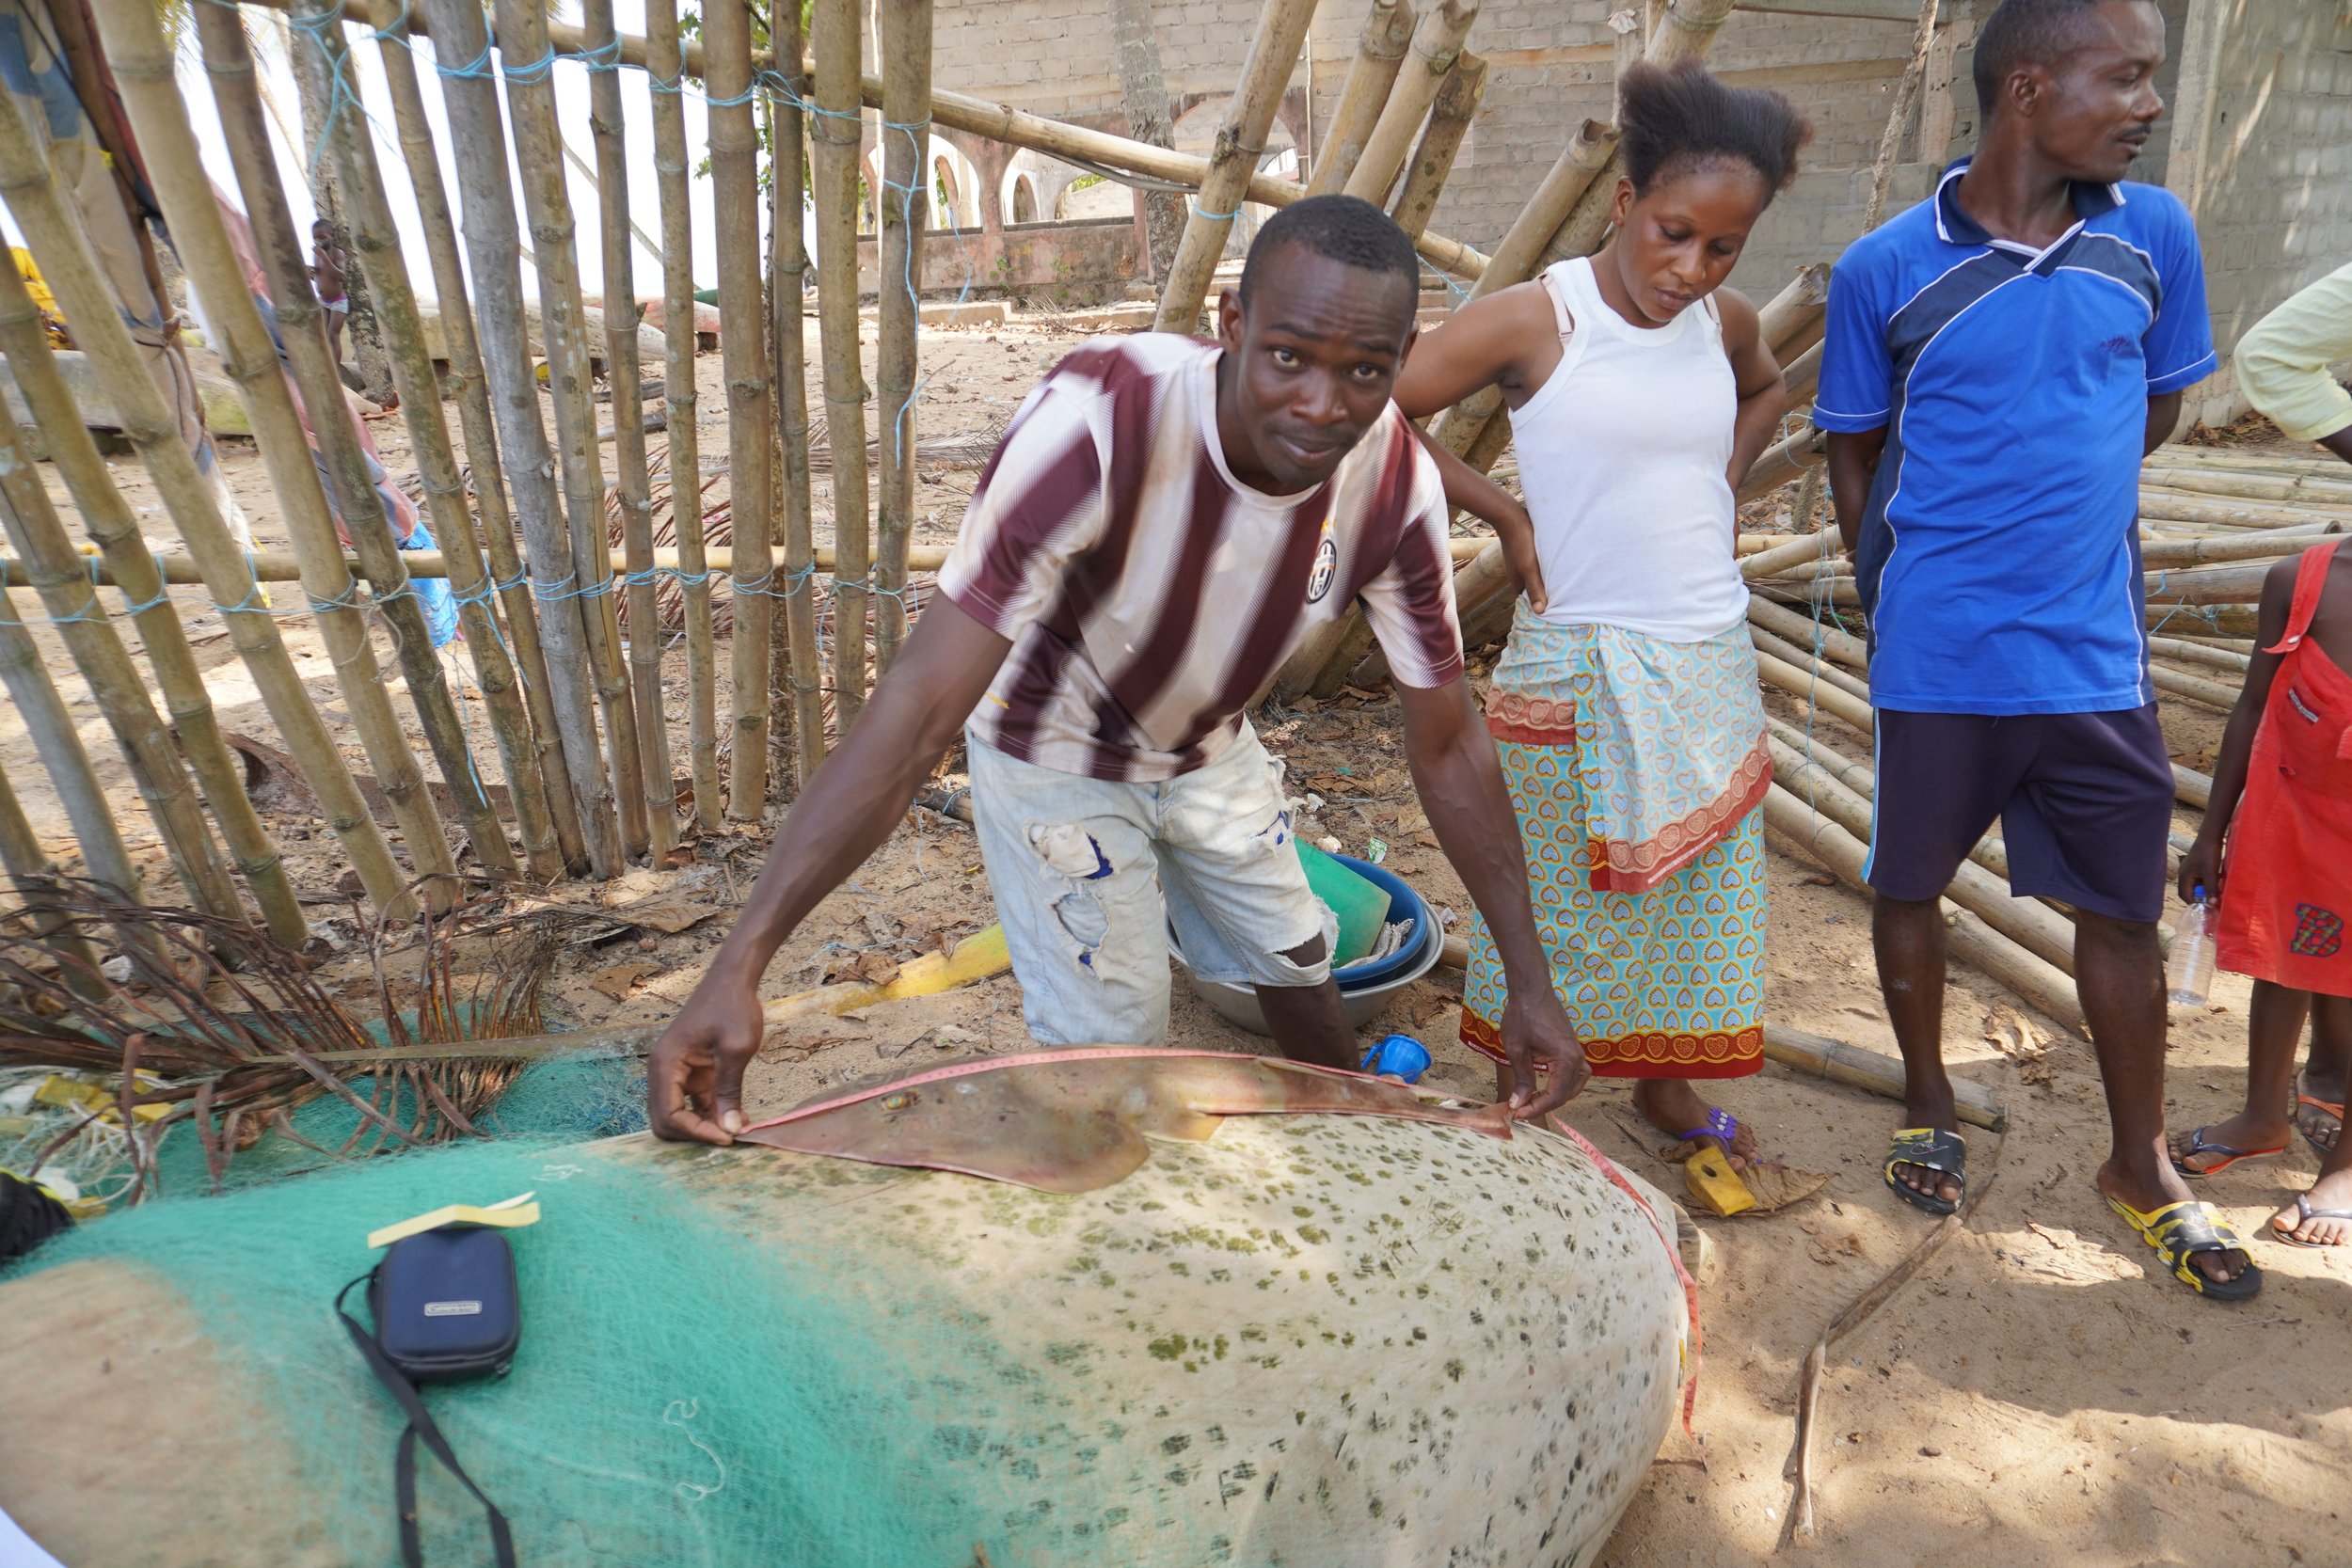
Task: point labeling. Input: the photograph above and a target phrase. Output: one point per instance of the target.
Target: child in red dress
(2282, 798)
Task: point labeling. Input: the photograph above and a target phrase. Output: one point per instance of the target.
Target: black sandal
(1930, 1148)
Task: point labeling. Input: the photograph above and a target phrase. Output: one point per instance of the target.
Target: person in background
(2280, 816)
(1624, 704)
(330, 275)
(1999, 360)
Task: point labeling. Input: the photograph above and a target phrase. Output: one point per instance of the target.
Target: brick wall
(2263, 155)
(2258, 139)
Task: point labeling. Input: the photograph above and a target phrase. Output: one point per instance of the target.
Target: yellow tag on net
(511, 1215)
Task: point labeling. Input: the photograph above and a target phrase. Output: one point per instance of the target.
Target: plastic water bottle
(2189, 971)
(1398, 1056)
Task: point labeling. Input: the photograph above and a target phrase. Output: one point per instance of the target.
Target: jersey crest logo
(1327, 567)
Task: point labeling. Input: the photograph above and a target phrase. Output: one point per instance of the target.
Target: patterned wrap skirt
(1638, 768)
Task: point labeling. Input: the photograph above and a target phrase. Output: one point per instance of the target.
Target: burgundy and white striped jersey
(1149, 594)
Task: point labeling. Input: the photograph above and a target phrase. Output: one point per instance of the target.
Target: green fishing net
(687, 1389)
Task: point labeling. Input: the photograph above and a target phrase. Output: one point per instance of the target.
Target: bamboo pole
(906, 50)
(1437, 47)
(468, 385)
(143, 64)
(1811, 548)
(734, 180)
(833, 161)
(478, 139)
(2213, 694)
(1788, 652)
(59, 746)
(57, 576)
(1797, 680)
(72, 274)
(779, 650)
(1232, 159)
(1833, 640)
(1790, 458)
(633, 487)
(1789, 316)
(1898, 114)
(992, 122)
(2040, 984)
(2157, 504)
(547, 200)
(1870, 1071)
(835, 43)
(2206, 549)
(2186, 652)
(665, 64)
(2292, 488)
(125, 561)
(791, 329)
(36, 877)
(1449, 117)
(1379, 53)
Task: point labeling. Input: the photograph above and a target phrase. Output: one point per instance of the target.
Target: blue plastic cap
(1399, 1056)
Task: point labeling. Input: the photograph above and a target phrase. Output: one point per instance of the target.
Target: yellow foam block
(1713, 1182)
(511, 1214)
(976, 958)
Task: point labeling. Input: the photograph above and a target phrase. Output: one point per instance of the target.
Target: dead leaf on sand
(1775, 1187)
(2020, 1043)
(1837, 1250)
(668, 915)
(619, 980)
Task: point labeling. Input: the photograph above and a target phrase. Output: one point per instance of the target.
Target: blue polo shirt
(1999, 551)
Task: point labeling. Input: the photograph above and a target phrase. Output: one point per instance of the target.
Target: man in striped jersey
(1164, 522)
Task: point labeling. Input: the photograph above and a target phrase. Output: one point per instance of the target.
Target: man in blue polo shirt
(1999, 360)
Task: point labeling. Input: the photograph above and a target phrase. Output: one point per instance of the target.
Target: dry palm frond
(229, 1032)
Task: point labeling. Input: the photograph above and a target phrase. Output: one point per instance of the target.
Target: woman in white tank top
(1625, 705)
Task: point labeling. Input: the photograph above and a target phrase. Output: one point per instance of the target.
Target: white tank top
(1622, 453)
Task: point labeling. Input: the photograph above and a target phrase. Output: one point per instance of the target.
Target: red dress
(2287, 891)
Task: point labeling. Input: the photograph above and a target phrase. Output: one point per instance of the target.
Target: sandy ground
(2038, 1394)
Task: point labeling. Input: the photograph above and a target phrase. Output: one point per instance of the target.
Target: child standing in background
(2283, 807)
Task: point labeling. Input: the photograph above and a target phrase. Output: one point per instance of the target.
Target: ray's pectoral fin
(987, 1125)
(1074, 1124)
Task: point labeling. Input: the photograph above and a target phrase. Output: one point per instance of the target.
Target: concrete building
(2257, 139)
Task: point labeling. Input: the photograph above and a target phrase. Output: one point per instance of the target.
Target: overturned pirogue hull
(1195, 1310)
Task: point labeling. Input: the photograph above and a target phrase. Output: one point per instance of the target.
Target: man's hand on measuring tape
(694, 1079)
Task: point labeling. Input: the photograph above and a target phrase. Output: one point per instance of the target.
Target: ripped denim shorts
(1090, 874)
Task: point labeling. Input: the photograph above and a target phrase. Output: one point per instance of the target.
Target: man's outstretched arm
(695, 1077)
(1462, 791)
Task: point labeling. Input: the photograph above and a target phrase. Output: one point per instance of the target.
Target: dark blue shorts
(2085, 803)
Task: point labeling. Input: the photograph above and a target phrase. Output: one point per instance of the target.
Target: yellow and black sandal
(1930, 1148)
(2179, 1231)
